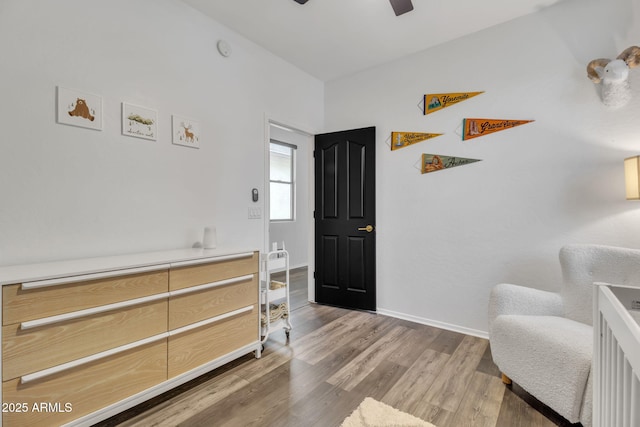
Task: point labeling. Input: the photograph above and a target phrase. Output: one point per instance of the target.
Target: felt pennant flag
(436, 162)
(437, 101)
(473, 128)
(404, 139)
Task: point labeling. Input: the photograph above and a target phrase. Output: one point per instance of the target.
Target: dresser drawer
(206, 272)
(21, 305)
(77, 392)
(29, 350)
(195, 347)
(195, 306)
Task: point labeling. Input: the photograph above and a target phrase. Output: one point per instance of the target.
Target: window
(282, 173)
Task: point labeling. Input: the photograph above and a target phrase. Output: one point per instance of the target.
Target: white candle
(209, 241)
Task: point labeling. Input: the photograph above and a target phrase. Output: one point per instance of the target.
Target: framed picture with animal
(140, 122)
(79, 108)
(185, 131)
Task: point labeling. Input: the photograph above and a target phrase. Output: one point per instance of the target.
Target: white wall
(295, 234)
(70, 192)
(445, 238)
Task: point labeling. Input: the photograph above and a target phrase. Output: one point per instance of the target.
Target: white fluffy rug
(372, 413)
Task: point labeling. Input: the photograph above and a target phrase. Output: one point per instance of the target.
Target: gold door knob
(368, 228)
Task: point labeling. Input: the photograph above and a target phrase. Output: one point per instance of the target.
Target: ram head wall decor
(614, 76)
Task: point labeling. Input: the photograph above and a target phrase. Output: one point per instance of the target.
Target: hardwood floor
(336, 358)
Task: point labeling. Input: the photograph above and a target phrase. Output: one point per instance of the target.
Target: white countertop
(50, 270)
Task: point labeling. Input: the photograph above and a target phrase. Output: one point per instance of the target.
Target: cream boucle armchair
(543, 340)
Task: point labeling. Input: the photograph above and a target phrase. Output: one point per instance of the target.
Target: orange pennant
(473, 128)
(437, 101)
(404, 139)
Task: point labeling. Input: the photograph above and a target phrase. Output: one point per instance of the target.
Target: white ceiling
(333, 38)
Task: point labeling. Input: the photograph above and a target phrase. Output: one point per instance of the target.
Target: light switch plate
(255, 212)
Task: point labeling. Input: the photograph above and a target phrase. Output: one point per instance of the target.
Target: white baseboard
(435, 323)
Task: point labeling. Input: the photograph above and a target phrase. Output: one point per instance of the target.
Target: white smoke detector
(224, 48)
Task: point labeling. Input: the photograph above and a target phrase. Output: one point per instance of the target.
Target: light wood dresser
(83, 340)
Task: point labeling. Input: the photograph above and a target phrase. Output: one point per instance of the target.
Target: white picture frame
(185, 131)
(139, 122)
(79, 108)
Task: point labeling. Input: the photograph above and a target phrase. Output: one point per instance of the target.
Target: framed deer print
(185, 132)
(140, 122)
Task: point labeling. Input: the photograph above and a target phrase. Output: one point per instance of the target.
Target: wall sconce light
(632, 177)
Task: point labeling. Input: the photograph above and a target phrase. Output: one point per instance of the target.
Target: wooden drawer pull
(90, 311)
(210, 321)
(212, 260)
(85, 277)
(79, 362)
(210, 285)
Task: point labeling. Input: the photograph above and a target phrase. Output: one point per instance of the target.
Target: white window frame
(292, 183)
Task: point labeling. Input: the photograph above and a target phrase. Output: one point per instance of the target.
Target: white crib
(616, 356)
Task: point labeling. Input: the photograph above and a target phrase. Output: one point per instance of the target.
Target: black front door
(345, 237)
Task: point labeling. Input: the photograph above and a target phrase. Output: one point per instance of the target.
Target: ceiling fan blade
(400, 6)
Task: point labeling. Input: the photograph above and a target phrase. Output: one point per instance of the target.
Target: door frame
(288, 124)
